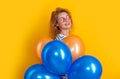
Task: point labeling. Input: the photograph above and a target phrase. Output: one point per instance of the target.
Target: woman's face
(64, 21)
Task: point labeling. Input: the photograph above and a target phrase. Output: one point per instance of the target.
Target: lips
(66, 24)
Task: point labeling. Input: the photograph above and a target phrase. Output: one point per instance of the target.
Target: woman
(60, 25)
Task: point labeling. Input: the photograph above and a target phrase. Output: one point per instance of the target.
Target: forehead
(62, 14)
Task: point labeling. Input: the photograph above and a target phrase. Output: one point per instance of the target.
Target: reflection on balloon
(41, 42)
(56, 56)
(85, 67)
(76, 46)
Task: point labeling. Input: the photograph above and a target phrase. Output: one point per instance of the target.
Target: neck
(65, 32)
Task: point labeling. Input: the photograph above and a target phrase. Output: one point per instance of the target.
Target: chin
(69, 26)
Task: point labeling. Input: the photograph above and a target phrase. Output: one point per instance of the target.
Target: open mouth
(67, 24)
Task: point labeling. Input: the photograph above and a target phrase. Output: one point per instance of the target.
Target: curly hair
(54, 29)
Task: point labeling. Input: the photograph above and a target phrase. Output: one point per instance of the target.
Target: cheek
(61, 23)
(70, 21)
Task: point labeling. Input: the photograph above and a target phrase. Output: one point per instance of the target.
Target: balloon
(85, 67)
(39, 46)
(38, 71)
(44, 75)
(33, 69)
(76, 46)
(56, 56)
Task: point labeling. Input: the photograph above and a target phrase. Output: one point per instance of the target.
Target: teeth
(67, 24)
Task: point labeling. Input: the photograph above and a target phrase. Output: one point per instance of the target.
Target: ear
(57, 24)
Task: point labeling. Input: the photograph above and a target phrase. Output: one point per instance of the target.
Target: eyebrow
(62, 16)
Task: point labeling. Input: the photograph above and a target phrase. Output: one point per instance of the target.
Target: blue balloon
(38, 71)
(85, 67)
(56, 56)
(33, 69)
(44, 75)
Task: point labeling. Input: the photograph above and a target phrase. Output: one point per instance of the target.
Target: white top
(60, 37)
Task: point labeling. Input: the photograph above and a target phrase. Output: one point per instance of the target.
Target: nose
(66, 19)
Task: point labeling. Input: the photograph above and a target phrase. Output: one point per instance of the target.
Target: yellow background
(97, 22)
